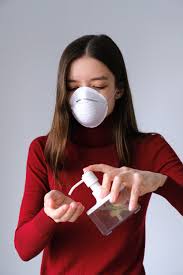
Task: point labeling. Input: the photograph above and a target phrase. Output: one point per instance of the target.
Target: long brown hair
(102, 48)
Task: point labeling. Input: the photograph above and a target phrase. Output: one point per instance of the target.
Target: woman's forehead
(88, 68)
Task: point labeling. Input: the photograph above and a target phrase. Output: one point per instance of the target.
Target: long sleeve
(34, 228)
(165, 161)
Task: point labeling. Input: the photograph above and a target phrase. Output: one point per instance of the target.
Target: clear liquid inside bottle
(108, 216)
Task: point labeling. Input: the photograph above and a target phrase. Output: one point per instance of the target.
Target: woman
(94, 128)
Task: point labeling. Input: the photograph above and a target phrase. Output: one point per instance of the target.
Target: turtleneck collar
(101, 135)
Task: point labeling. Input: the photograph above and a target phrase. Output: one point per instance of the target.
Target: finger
(115, 190)
(104, 168)
(54, 195)
(120, 181)
(52, 204)
(135, 192)
(54, 198)
(70, 212)
(77, 213)
(104, 192)
(124, 196)
(56, 213)
(106, 185)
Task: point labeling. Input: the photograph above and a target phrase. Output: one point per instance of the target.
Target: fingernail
(103, 193)
(130, 207)
(113, 198)
(73, 204)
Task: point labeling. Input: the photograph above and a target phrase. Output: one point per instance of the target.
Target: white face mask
(88, 107)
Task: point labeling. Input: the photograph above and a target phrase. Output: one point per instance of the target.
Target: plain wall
(33, 35)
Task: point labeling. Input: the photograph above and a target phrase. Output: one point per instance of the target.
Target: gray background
(32, 37)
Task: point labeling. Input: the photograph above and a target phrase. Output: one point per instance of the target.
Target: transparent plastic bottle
(105, 214)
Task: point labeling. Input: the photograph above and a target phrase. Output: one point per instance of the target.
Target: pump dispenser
(104, 214)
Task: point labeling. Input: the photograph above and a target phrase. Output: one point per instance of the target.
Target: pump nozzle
(91, 181)
(74, 186)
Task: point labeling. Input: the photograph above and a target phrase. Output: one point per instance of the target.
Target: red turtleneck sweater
(79, 248)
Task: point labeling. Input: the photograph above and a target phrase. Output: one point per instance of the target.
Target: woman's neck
(101, 135)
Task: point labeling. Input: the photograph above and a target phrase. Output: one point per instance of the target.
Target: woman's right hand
(61, 208)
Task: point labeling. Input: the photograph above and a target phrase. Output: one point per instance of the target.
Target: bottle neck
(96, 189)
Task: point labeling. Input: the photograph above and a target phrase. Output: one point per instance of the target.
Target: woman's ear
(119, 93)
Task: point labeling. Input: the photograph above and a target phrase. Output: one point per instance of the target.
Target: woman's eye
(71, 89)
(99, 88)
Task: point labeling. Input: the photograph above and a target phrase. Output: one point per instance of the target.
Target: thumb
(50, 203)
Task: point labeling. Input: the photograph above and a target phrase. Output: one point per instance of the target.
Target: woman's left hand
(137, 182)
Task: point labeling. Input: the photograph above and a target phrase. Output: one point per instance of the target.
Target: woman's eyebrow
(92, 79)
(99, 78)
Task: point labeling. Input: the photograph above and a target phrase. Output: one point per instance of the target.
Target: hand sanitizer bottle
(105, 214)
